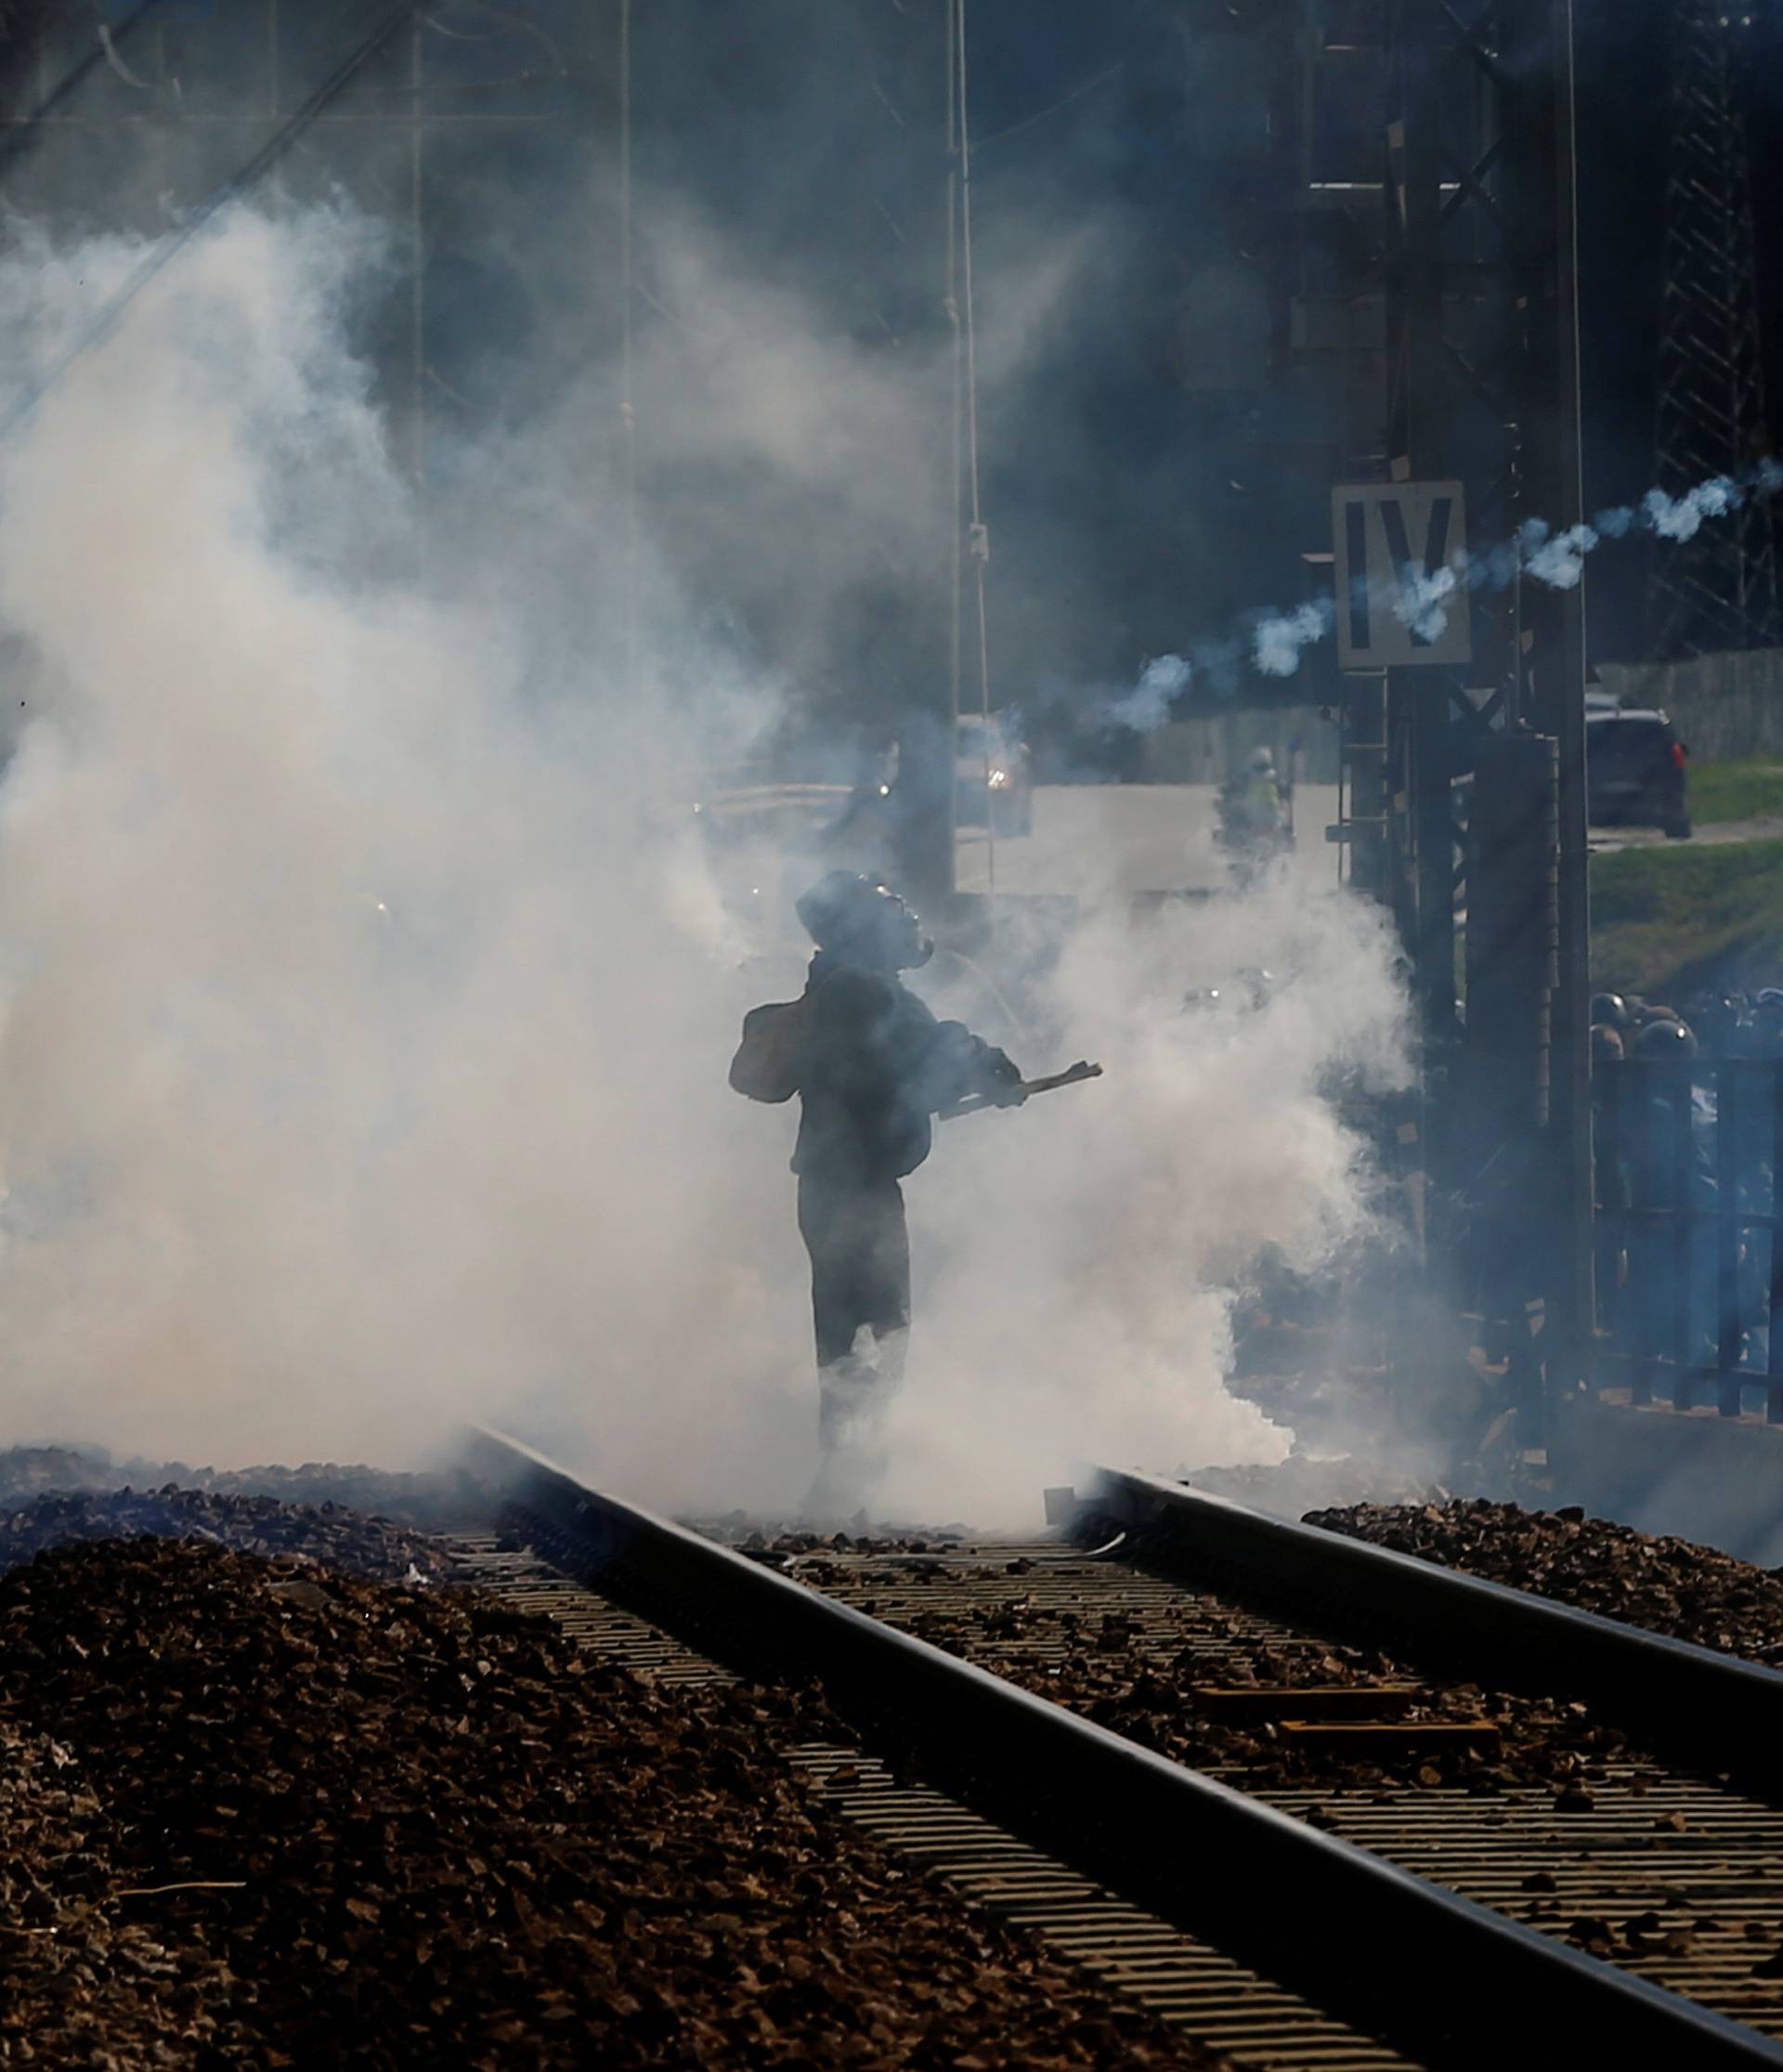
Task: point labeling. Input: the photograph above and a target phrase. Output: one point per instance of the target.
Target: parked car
(1635, 772)
(993, 779)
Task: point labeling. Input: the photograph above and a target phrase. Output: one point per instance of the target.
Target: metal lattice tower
(1480, 383)
(1720, 589)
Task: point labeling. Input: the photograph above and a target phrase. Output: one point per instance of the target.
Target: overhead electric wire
(1078, 93)
(978, 534)
(957, 364)
(628, 415)
(165, 250)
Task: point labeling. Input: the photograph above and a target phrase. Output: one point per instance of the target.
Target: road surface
(1607, 840)
(1114, 840)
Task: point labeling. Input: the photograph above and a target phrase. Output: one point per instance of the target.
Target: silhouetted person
(1767, 1023)
(1254, 817)
(1715, 1019)
(874, 1066)
(1611, 1196)
(1669, 1156)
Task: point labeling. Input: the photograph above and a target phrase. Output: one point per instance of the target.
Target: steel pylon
(1718, 589)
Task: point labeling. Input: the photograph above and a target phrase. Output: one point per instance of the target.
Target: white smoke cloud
(358, 1020)
(1423, 602)
(1147, 705)
(1559, 561)
(1080, 1259)
(365, 997)
(1681, 518)
(1281, 639)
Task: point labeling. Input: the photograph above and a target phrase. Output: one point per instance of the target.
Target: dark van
(1634, 772)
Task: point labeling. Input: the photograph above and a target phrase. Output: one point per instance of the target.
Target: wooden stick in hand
(1071, 1076)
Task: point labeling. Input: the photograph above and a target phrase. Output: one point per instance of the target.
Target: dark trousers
(860, 1261)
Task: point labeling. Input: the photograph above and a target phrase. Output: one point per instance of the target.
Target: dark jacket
(1651, 1152)
(876, 1065)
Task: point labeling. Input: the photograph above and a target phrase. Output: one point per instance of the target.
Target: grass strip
(1722, 792)
(1669, 921)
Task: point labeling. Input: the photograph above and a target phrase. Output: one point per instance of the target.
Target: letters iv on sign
(1399, 551)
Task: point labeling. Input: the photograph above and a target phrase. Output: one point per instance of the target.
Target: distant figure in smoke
(1669, 1155)
(873, 1066)
(1253, 816)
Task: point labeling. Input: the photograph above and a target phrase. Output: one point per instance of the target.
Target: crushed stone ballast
(1353, 1933)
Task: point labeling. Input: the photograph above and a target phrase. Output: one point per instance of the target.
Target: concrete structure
(1726, 706)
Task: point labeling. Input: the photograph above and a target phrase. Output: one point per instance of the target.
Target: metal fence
(1688, 1236)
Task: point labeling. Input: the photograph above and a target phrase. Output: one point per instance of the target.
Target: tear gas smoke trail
(1424, 600)
(364, 1003)
(1558, 561)
(1279, 639)
(1147, 705)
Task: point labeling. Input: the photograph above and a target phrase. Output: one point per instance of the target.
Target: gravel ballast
(347, 1540)
(260, 1813)
(1139, 1676)
(437, 1501)
(1668, 1585)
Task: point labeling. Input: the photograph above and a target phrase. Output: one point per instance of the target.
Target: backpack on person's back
(769, 1059)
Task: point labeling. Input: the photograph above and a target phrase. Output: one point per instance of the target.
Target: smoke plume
(367, 996)
(1147, 705)
(1078, 1263)
(1279, 639)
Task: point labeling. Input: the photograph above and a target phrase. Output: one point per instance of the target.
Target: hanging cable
(628, 416)
(1078, 93)
(978, 538)
(956, 537)
(107, 44)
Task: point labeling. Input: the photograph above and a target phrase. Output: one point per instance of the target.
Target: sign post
(1400, 555)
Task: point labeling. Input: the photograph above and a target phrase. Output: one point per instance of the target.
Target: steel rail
(1723, 1713)
(1449, 1982)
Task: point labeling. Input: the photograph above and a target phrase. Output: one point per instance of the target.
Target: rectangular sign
(1400, 555)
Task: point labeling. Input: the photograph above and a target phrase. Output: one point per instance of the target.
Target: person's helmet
(1663, 1039)
(1714, 1017)
(1767, 1000)
(855, 917)
(1606, 1044)
(1611, 1009)
(1261, 760)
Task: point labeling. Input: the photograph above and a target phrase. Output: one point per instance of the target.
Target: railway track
(1420, 1926)
(1220, 2006)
